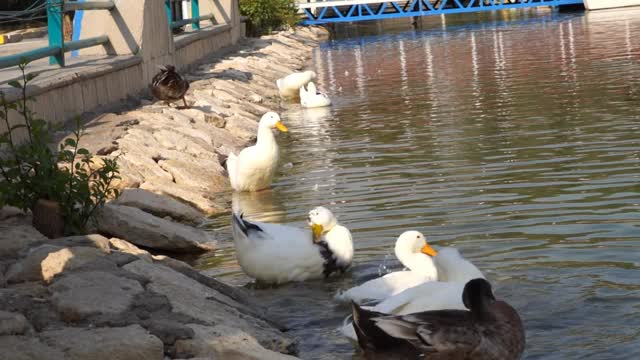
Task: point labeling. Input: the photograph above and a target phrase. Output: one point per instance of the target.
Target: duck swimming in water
(274, 253)
(169, 86)
(415, 254)
(489, 330)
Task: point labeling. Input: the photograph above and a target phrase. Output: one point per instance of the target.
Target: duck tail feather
(244, 225)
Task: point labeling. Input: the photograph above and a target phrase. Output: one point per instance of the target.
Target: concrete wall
(609, 4)
(141, 41)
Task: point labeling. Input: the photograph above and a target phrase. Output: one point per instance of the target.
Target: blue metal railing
(195, 16)
(321, 12)
(57, 46)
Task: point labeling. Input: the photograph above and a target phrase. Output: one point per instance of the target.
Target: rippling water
(513, 136)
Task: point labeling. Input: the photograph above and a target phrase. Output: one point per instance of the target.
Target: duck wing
(168, 85)
(383, 287)
(452, 267)
(232, 163)
(276, 253)
(435, 333)
(373, 339)
(432, 295)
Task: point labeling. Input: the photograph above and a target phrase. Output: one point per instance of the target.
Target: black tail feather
(244, 225)
(371, 337)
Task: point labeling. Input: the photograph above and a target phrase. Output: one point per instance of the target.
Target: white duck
(254, 167)
(290, 85)
(311, 98)
(415, 254)
(275, 253)
(454, 272)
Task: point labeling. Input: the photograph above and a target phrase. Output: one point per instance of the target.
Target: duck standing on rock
(489, 330)
(274, 253)
(253, 168)
(169, 86)
(289, 86)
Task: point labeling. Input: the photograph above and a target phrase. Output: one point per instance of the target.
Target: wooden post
(68, 26)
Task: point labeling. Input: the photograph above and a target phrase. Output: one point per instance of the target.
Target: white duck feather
(311, 98)
(276, 253)
(415, 254)
(454, 272)
(253, 168)
(289, 85)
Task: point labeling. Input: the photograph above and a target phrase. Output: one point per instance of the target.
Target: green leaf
(15, 83)
(31, 76)
(83, 151)
(70, 142)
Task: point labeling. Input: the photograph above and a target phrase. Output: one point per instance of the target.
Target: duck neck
(481, 310)
(265, 137)
(418, 263)
(340, 243)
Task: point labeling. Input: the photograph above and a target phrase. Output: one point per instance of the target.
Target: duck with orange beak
(415, 254)
(253, 168)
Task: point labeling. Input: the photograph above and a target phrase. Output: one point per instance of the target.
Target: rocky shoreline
(103, 296)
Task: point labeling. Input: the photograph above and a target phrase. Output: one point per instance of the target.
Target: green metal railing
(195, 16)
(57, 46)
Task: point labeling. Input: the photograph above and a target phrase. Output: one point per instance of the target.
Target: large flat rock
(16, 237)
(158, 205)
(27, 348)
(191, 298)
(144, 229)
(46, 261)
(197, 198)
(207, 176)
(91, 240)
(224, 342)
(122, 343)
(80, 295)
(12, 323)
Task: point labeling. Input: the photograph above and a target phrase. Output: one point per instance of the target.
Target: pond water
(514, 136)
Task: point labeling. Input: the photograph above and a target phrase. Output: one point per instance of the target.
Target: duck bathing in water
(169, 86)
(490, 330)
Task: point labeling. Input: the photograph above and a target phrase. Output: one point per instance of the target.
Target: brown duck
(489, 330)
(169, 86)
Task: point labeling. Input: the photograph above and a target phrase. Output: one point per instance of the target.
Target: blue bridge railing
(57, 46)
(195, 15)
(322, 12)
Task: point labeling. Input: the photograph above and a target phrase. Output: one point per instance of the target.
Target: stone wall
(140, 42)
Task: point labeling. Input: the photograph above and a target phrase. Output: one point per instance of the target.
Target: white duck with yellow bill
(274, 253)
(415, 254)
(454, 272)
(253, 168)
(311, 98)
(290, 85)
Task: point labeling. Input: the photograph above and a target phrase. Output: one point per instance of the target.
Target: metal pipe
(54, 26)
(28, 56)
(176, 24)
(85, 43)
(89, 5)
(195, 14)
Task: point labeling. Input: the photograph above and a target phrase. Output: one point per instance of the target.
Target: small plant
(268, 15)
(32, 171)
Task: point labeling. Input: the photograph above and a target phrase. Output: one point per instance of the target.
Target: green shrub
(268, 15)
(30, 170)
